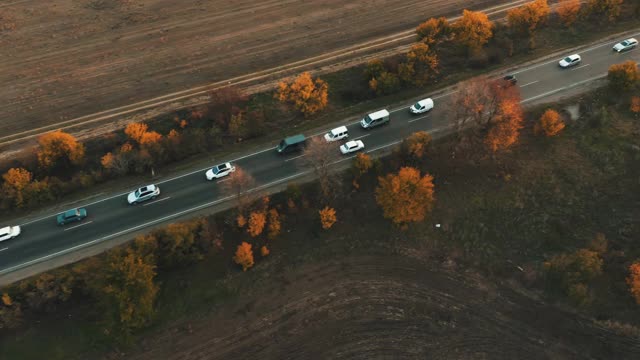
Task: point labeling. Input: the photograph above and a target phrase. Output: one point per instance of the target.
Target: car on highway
(144, 193)
(625, 45)
(510, 80)
(421, 106)
(336, 134)
(9, 232)
(72, 215)
(351, 146)
(220, 171)
(569, 61)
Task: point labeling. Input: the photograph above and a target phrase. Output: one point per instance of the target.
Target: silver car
(625, 45)
(145, 193)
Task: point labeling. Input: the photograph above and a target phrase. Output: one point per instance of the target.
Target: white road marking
(360, 137)
(157, 201)
(223, 180)
(564, 88)
(580, 67)
(4, 249)
(420, 118)
(293, 158)
(531, 83)
(77, 226)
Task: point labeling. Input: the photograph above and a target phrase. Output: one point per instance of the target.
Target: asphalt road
(112, 217)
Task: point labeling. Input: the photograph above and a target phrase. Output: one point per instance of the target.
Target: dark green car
(72, 215)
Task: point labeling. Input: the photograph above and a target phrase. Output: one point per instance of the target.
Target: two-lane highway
(112, 217)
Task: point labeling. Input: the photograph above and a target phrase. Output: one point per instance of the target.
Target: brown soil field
(386, 307)
(67, 59)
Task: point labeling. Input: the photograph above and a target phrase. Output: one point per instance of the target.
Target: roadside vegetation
(531, 202)
(443, 54)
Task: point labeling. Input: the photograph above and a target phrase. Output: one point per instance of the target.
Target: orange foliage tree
(306, 94)
(257, 221)
(416, 145)
(635, 105)
(59, 148)
(550, 123)
(327, 217)
(16, 181)
(609, 8)
(528, 17)
(473, 30)
(420, 66)
(10, 312)
(568, 11)
(264, 251)
(505, 128)
(361, 165)
(385, 83)
(140, 134)
(244, 256)
(275, 226)
(129, 289)
(624, 76)
(633, 280)
(433, 30)
(406, 196)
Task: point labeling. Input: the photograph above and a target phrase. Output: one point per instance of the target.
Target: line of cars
(575, 59)
(297, 142)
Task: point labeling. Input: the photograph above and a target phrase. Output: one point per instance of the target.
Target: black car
(510, 80)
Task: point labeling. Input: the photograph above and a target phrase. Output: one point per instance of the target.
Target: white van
(421, 106)
(375, 119)
(336, 134)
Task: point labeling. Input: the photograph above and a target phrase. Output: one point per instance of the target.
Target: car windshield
(417, 105)
(216, 169)
(567, 59)
(367, 119)
(137, 193)
(625, 43)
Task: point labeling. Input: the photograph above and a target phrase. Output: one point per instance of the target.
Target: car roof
(339, 129)
(5, 230)
(148, 187)
(379, 113)
(425, 101)
(352, 142)
(70, 212)
(574, 56)
(223, 165)
(294, 139)
(631, 40)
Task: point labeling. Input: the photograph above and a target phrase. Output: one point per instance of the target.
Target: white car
(9, 232)
(351, 146)
(421, 106)
(625, 45)
(336, 134)
(570, 61)
(145, 193)
(219, 171)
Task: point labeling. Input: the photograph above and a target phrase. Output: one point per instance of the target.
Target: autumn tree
(550, 123)
(473, 30)
(609, 9)
(244, 256)
(224, 104)
(568, 11)
(528, 17)
(16, 181)
(257, 222)
(491, 110)
(385, 83)
(327, 217)
(573, 272)
(129, 290)
(47, 290)
(433, 31)
(306, 94)
(374, 68)
(182, 243)
(635, 105)
(406, 196)
(420, 65)
(10, 312)
(415, 146)
(320, 154)
(505, 127)
(624, 76)
(264, 251)
(275, 225)
(240, 184)
(361, 165)
(139, 132)
(59, 149)
(633, 280)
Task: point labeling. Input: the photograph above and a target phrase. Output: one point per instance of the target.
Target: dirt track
(387, 307)
(72, 58)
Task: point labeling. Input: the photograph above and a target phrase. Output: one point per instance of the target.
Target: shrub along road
(112, 217)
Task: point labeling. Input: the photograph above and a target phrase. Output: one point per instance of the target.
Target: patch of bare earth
(387, 307)
(69, 58)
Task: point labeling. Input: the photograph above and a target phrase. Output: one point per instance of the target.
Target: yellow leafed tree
(306, 94)
(244, 256)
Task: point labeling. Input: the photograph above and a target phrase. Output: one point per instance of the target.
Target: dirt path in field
(65, 59)
(386, 308)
